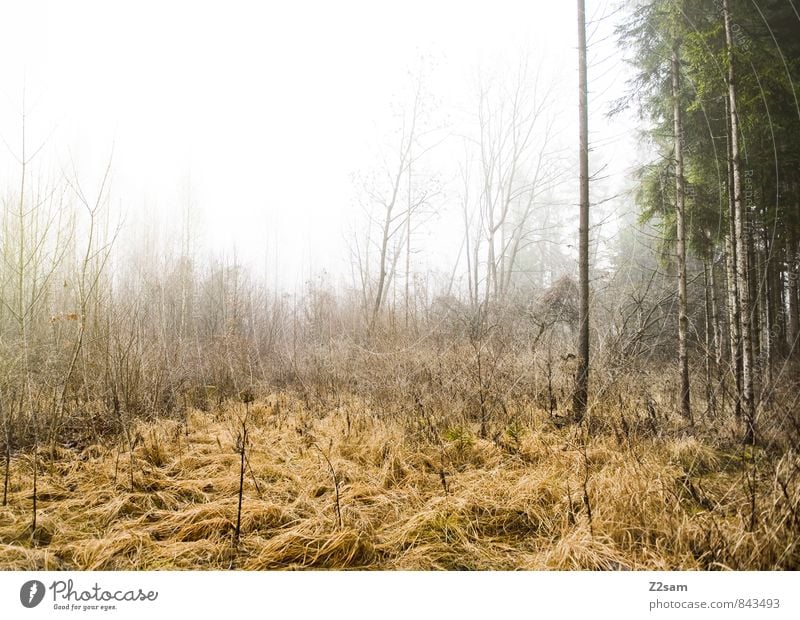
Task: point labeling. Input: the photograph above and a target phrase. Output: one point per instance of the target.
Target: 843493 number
(758, 603)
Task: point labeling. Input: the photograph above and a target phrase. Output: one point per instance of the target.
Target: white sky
(266, 108)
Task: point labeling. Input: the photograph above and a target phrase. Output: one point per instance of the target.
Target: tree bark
(710, 336)
(712, 279)
(792, 273)
(582, 372)
(680, 208)
(742, 244)
(734, 320)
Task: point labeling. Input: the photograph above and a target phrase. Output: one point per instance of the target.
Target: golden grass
(674, 501)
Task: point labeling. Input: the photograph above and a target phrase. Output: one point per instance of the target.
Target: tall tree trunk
(710, 336)
(408, 252)
(742, 245)
(382, 273)
(792, 274)
(753, 277)
(712, 281)
(709, 354)
(582, 372)
(734, 324)
(734, 320)
(680, 208)
(717, 331)
(771, 324)
(776, 301)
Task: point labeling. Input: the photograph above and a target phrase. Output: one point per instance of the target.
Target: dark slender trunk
(5, 477)
(712, 280)
(408, 254)
(7, 441)
(717, 328)
(243, 448)
(710, 352)
(792, 273)
(774, 336)
(35, 490)
(756, 299)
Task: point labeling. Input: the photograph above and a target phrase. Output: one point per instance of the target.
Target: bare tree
(514, 132)
(90, 270)
(394, 197)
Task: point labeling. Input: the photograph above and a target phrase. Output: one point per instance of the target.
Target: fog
(261, 120)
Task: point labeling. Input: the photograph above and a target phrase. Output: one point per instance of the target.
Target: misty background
(251, 131)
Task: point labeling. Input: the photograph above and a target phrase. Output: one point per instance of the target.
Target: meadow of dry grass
(532, 497)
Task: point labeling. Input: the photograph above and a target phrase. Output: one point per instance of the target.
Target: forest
(560, 394)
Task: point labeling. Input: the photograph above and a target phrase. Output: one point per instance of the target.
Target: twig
(253, 476)
(116, 463)
(8, 455)
(5, 481)
(335, 483)
(35, 477)
(242, 446)
(586, 501)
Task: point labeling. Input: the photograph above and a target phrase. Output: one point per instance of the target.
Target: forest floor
(534, 497)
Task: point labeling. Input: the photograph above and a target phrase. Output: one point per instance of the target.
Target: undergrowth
(601, 496)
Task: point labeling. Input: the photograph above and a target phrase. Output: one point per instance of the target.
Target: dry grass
(672, 501)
